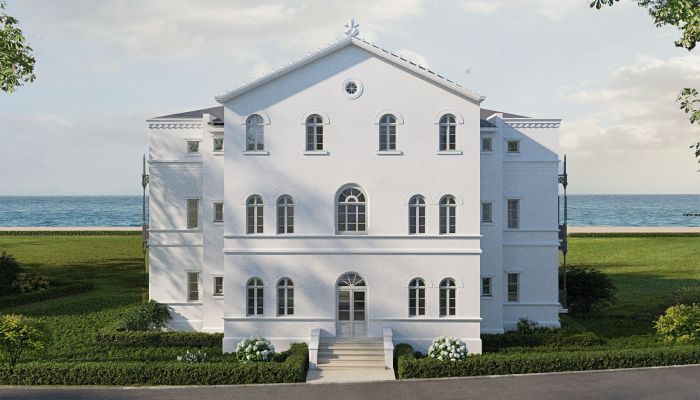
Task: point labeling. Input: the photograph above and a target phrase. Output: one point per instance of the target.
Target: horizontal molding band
(530, 244)
(365, 237)
(174, 162)
(444, 319)
(175, 244)
(506, 304)
(280, 319)
(443, 252)
(175, 230)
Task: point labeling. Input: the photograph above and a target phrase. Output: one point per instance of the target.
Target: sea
(125, 211)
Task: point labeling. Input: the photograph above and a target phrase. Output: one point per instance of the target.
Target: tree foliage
(587, 288)
(19, 335)
(16, 57)
(9, 268)
(680, 323)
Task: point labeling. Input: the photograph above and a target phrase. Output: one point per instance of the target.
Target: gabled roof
(217, 112)
(486, 114)
(363, 44)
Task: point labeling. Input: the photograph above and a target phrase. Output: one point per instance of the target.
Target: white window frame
(188, 213)
(516, 293)
(214, 216)
(448, 206)
(448, 123)
(386, 123)
(513, 223)
(416, 290)
(488, 279)
(213, 144)
(189, 143)
(214, 293)
(258, 215)
(508, 142)
(285, 211)
(416, 215)
(490, 213)
(258, 306)
(188, 288)
(490, 141)
(449, 292)
(361, 211)
(285, 288)
(314, 129)
(255, 140)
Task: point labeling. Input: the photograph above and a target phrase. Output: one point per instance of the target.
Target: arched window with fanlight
(352, 209)
(285, 215)
(314, 133)
(255, 133)
(254, 214)
(448, 215)
(285, 297)
(255, 303)
(448, 132)
(448, 297)
(387, 132)
(416, 215)
(416, 297)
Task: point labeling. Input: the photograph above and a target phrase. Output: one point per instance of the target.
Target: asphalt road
(672, 383)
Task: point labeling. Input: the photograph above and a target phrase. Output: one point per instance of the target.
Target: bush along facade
(587, 288)
(680, 323)
(255, 349)
(150, 316)
(447, 348)
(499, 364)
(56, 290)
(161, 339)
(194, 357)
(292, 367)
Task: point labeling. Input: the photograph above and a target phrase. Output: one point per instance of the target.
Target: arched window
(285, 214)
(314, 133)
(448, 297)
(254, 214)
(255, 133)
(448, 215)
(416, 297)
(416, 214)
(285, 297)
(351, 210)
(387, 132)
(255, 304)
(448, 133)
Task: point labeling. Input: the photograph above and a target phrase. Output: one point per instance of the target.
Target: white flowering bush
(447, 348)
(254, 349)
(194, 357)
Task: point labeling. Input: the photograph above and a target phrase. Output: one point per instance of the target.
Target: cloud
(413, 56)
(481, 6)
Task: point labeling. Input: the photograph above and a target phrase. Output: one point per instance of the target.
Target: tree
(587, 288)
(9, 268)
(18, 335)
(685, 15)
(16, 57)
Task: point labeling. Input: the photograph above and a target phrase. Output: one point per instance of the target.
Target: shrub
(52, 292)
(29, 283)
(523, 363)
(291, 368)
(686, 295)
(587, 288)
(149, 316)
(9, 268)
(447, 348)
(161, 339)
(194, 357)
(19, 334)
(496, 343)
(680, 324)
(526, 326)
(255, 349)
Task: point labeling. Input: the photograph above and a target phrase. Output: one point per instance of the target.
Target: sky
(104, 67)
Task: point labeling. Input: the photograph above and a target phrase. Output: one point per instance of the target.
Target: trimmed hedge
(292, 369)
(71, 233)
(161, 339)
(495, 343)
(632, 234)
(502, 364)
(52, 292)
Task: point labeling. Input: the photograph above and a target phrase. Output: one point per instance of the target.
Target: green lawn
(646, 271)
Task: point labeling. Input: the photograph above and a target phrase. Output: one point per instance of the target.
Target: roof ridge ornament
(352, 28)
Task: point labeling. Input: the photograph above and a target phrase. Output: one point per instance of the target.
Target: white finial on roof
(353, 28)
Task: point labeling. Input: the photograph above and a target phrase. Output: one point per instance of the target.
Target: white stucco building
(351, 191)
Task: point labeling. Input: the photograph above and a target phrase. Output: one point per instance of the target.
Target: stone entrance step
(350, 360)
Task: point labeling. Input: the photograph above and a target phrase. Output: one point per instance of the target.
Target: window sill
(486, 297)
(487, 223)
(486, 152)
(217, 222)
(217, 153)
(256, 153)
(449, 152)
(217, 296)
(351, 233)
(389, 152)
(316, 153)
(512, 153)
(194, 154)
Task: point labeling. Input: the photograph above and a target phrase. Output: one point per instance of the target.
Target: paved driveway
(673, 383)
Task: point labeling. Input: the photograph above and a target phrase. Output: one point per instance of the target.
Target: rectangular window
(514, 146)
(193, 146)
(218, 286)
(218, 212)
(218, 144)
(193, 286)
(192, 213)
(486, 144)
(486, 287)
(513, 287)
(513, 214)
(486, 212)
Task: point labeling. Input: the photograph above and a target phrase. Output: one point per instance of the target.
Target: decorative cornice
(533, 124)
(175, 125)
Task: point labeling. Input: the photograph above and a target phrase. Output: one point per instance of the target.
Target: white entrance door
(352, 306)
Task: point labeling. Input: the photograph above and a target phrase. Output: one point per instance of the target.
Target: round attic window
(352, 88)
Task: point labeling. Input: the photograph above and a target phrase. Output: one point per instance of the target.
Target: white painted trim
(530, 244)
(423, 319)
(263, 114)
(458, 116)
(449, 152)
(174, 245)
(280, 319)
(380, 114)
(174, 162)
(294, 236)
(256, 153)
(440, 195)
(324, 116)
(316, 152)
(175, 124)
(389, 152)
(372, 251)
